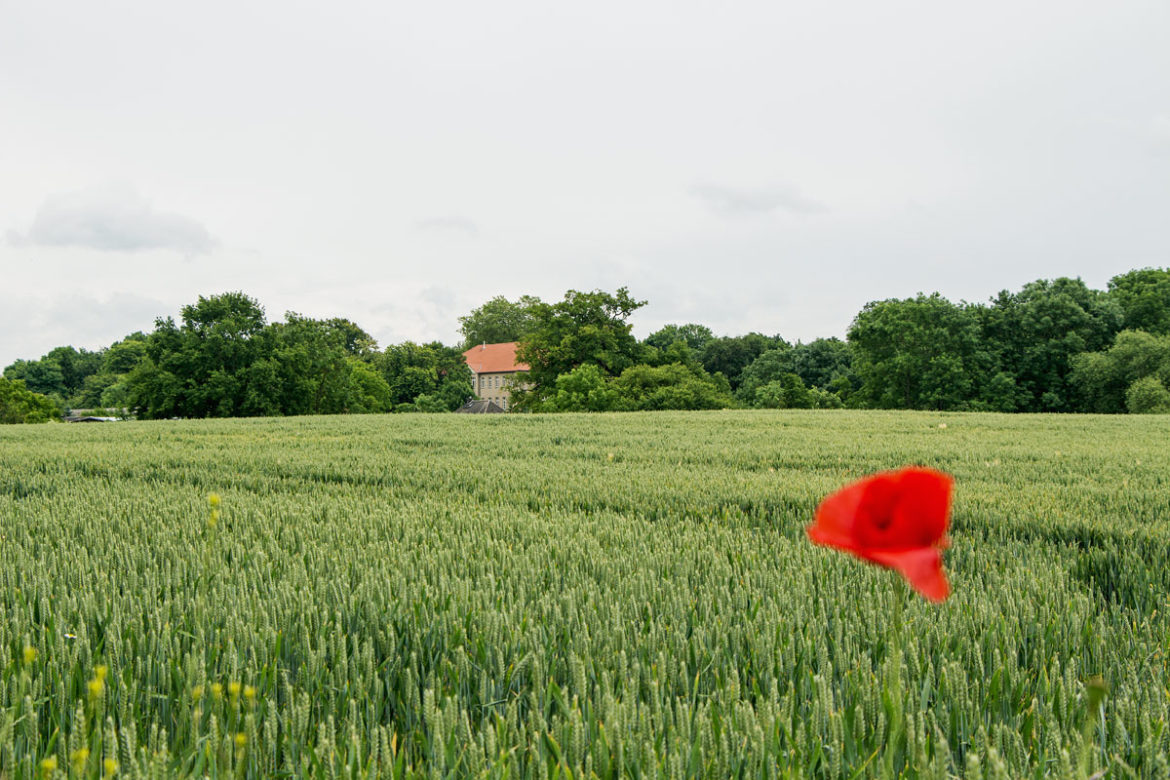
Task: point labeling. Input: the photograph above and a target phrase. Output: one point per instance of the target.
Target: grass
(576, 595)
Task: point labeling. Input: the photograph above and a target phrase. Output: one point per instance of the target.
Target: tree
(1102, 380)
(1144, 298)
(434, 370)
(673, 386)
(822, 361)
(18, 404)
(498, 321)
(105, 388)
(39, 376)
(92, 390)
(584, 328)
(730, 355)
(584, 389)
(199, 369)
(768, 367)
(75, 365)
(368, 391)
(1037, 331)
(919, 353)
(693, 335)
(351, 338)
(122, 356)
(787, 392)
(313, 359)
(1148, 396)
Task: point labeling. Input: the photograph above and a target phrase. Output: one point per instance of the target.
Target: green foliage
(1047, 348)
(584, 389)
(1037, 331)
(39, 376)
(673, 386)
(788, 391)
(18, 404)
(693, 335)
(75, 365)
(224, 361)
(1103, 379)
(368, 391)
(731, 355)
(122, 356)
(498, 321)
(770, 366)
(584, 328)
(919, 353)
(642, 387)
(821, 362)
(414, 370)
(825, 399)
(612, 595)
(1148, 395)
(204, 368)
(1144, 298)
(785, 392)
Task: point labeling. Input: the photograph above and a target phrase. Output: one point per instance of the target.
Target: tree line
(1053, 346)
(223, 359)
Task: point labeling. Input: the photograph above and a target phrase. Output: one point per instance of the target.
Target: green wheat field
(571, 596)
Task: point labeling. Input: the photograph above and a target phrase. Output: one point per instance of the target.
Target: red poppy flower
(896, 519)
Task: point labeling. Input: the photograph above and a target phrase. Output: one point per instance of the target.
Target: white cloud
(31, 325)
(452, 224)
(737, 201)
(112, 218)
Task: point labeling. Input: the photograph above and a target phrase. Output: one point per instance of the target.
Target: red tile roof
(493, 358)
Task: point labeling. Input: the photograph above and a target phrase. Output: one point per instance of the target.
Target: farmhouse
(492, 365)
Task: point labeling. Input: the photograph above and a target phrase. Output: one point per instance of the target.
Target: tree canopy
(497, 321)
(1144, 298)
(18, 404)
(919, 353)
(584, 328)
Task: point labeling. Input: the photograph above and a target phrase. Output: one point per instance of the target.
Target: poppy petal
(922, 568)
(837, 518)
(924, 502)
(902, 509)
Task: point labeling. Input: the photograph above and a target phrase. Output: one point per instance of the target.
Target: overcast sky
(765, 166)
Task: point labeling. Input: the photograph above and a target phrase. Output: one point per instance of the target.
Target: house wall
(491, 387)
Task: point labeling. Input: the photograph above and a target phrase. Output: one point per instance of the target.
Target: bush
(787, 392)
(673, 386)
(1148, 396)
(20, 405)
